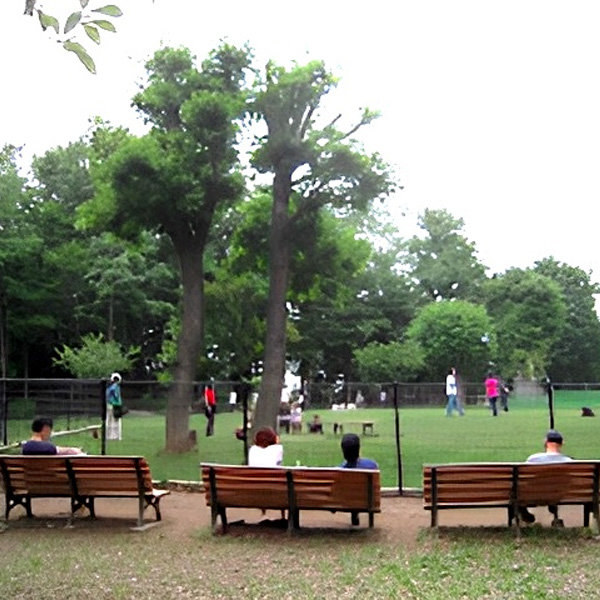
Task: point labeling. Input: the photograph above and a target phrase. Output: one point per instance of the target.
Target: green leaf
(73, 19)
(84, 3)
(48, 21)
(110, 9)
(107, 25)
(82, 55)
(92, 33)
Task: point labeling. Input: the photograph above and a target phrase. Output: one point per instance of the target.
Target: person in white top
(453, 403)
(266, 451)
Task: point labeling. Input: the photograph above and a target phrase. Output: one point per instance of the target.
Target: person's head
(265, 437)
(554, 440)
(350, 447)
(43, 427)
(115, 378)
(451, 371)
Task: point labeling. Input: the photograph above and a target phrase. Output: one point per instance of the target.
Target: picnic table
(367, 426)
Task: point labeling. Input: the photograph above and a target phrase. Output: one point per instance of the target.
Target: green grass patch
(457, 564)
(427, 436)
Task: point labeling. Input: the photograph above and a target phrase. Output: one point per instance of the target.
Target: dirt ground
(400, 521)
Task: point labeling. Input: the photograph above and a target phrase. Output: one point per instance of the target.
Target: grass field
(427, 436)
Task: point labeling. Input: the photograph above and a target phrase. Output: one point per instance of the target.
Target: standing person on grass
(114, 409)
(210, 407)
(492, 392)
(453, 403)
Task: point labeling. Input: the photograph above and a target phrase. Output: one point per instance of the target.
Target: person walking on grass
(210, 408)
(552, 454)
(452, 401)
(492, 393)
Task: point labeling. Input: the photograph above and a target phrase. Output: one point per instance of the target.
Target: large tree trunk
(189, 248)
(269, 396)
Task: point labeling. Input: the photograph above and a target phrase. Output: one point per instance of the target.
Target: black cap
(554, 436)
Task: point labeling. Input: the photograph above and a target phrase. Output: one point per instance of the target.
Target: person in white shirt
(266, 451)
(453, 403)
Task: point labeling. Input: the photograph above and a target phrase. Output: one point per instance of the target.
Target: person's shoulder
(38, 447)
(367, 463)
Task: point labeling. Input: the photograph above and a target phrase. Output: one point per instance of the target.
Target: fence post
(103, 415)
(245, 395)
(4, 415)
(398, 450)
(550, 390)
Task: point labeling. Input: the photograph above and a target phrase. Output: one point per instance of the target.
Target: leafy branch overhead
(93, 23)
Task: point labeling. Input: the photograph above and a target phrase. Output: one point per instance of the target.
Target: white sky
(491, 109)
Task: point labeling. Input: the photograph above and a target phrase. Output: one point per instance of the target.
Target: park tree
(95, 357)
(453, 334)
(575, 356)
(90, 21)
(443, 262)
(529, 314)
(394, 361)
(313, 166)
(174, 180)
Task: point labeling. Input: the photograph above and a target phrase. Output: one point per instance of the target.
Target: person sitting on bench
(353, 460)
(315, 426)
(552, 454)
(40, 443)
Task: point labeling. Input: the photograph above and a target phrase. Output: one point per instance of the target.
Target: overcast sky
(489, 109)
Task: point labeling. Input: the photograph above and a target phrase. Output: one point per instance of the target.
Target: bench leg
(216, 512)
(371, 519)
(293, 520)
(15, 500)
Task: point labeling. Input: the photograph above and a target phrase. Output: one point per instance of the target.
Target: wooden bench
(510, 486)
(80, 478)
(290, 488)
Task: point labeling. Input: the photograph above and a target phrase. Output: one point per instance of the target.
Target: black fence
(74, 403)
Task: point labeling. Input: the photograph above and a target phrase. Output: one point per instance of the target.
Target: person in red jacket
(210, 406)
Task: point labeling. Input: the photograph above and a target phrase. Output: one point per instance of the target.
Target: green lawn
(427, 437)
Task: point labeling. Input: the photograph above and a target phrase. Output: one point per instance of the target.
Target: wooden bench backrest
(94, 475)
(493, 483)
(110, 474)
(473, 483)
(334, 488)
(36, 475)
(555, 483)
(242, 486)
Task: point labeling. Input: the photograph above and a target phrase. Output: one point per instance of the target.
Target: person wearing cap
(114, 410)
(552, 454)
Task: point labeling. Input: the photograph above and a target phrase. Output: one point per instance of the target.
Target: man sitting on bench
(40, 440)
(353, 460)
(553, 453)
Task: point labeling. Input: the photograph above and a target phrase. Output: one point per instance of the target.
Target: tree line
(249, 229)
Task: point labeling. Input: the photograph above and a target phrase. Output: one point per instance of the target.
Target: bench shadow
(278, 528)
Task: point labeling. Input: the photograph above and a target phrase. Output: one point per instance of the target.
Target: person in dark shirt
(353, 460)
(40, 443)
(351, 451)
